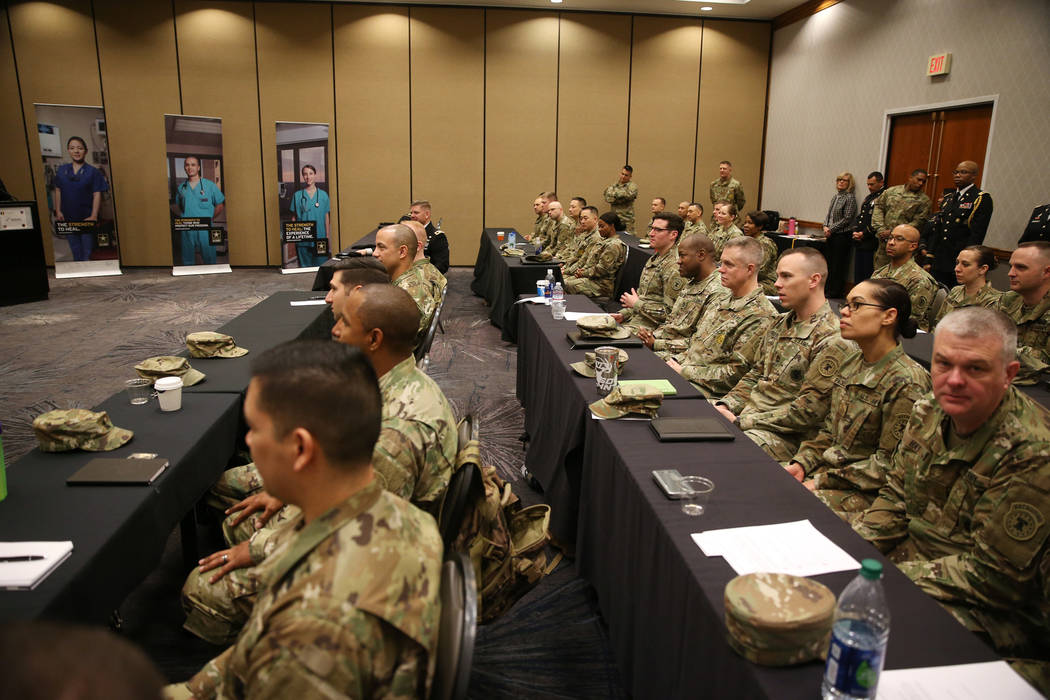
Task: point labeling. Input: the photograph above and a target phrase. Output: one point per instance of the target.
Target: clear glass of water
(138, 391)
(700, 489)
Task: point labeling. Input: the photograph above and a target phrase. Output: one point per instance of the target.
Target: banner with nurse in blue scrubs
(305, 207)
(199, 240)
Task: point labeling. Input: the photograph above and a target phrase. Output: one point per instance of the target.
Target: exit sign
(939, 64)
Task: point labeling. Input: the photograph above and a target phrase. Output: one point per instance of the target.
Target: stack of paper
(23, 565)
(992, 679)
(795, 548)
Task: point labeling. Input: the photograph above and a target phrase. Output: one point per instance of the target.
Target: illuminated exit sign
(939, 64)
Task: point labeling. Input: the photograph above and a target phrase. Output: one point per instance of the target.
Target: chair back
(458, 630)
(939, 298)
(464, 487)
(428, 339)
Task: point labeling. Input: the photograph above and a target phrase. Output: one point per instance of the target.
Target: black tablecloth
(631, 273)
(662, 597)
(325, 271)
(784, 242)
(556, 398)
(118, 533)
(500, 280)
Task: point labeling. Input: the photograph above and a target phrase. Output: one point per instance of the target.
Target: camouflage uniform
(541, 231)
(596, 273)
(988, 296)
(658, 288)
(720, 235)
(896, 206)
(920, 285)
(431, 274)
(421, 290)
(721, 351)
(672, 337)
(966, 520)
(575, 249)
(561, 234)
(621, 196)
(870, 407)
(1033, 335)
(349, 608)
(698, 227)
(727, 191)
(767, 274)
(783, 398)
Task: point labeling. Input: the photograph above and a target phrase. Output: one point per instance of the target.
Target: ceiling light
(556, 2)
(720, 2)
(706, 8)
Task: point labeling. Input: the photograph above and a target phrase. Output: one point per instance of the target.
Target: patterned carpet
(75, 350)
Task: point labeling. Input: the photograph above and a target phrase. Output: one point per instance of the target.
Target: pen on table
(28, 557)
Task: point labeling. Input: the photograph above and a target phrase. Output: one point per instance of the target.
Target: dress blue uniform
(78, 192)
(198, 200)
(307, 208)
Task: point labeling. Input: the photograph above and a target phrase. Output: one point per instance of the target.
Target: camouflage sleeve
(711, 193)
(397, 459)
(264, 540)
(920, 302)
(737, 397)
(807, 411)
(611, 193)
(606, 263)
(722, 372)
(208, 682)
(739, 199)
(676, 334)
(878, 212)
(810, 453)
(1034, 361)
(922, 213)
(885, 522)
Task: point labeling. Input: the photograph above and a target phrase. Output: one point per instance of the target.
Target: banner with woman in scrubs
(198, 205)
(306, 218)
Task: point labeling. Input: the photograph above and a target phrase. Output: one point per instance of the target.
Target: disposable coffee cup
(169, 393)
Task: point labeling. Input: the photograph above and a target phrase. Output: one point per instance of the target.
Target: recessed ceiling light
(706, 8)
(556, 2)
(720, 2)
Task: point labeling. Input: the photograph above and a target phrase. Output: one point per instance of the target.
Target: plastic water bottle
(550, 284)
(858, 637)
(512, 238)
(558, 294)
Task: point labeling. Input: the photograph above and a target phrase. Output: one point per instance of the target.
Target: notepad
(110, 471)
(664, 385)
(690, 429)
(27, 575)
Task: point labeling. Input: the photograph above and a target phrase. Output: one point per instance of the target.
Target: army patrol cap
(601, 326)
(586, 368)
(169, 366)
(778, 619)
(507, 251)
(77, 428)
(642, 399)
(542, 256)
(211, 344)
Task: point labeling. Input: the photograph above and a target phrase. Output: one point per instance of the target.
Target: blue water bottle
(858, 637)
(512, 238)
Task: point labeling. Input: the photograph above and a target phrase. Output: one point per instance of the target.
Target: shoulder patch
(1022, 521)
(900, 423)
(677, 283)
(829, 365)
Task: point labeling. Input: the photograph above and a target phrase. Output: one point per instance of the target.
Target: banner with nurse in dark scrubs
(74, 146)
(305, 207)
(199, 242)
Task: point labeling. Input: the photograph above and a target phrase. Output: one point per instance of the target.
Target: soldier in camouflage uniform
(561, 228)
(972, 266)
(576, 246)
(659, 285)
(726, 188)
(430, 274)
(694, 215)
(539, 207)
(349, 604)
(414, 458)
(902, 268)
(871, 402)
(725, 229)
(754, 224)
(720, 352)
(396, 249)
(1028, 305)
(621, 195)
(703, 289)
(595, 274)
(350, 273)
(783, 398)
(964, 512)
(903, 204)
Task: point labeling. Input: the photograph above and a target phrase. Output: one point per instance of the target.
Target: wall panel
(295, 79)
(732, 105)
(448, 63)
(592, 104)
(521, 91)
(217, 68)
(55, 47)
(372, 99)
(14, 166)
(665, 70)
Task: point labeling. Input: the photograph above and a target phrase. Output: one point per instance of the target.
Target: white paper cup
(169, 393)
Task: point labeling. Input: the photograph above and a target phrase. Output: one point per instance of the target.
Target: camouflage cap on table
(586, 368)
(211, 344)
(69, 429)
(778, 619)
(542, 256)
(642, 399)
(601, 326)
(507, 251)
(169, 366)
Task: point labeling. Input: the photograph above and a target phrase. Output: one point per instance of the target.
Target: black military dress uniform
(1038, 228)
(961, 222)
(863, 261)
(436, 248)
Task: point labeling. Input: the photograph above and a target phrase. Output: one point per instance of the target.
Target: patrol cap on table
(586, 368)
(601, 326)
(542, 256)
(643, 399)
(68, 429)
(507, 251)
(211, 344)
(778, 619)
(169, 366)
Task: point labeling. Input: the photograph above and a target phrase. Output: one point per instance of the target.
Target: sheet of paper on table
(43, 558)
(795, 548)
(309, 302)
(577, 315)
(993, 679)
(532, 300)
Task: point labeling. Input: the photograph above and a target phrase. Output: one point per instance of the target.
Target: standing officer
(1038, 228)
(726, 188)
(901, 204)
(864, 239)
(621, 195)
(962, 221)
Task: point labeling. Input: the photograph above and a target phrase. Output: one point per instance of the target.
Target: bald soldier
(396, 249)
(902, 204)
(964, 512)
(431, 274)
(783, 399)
(1028, 306)
(961, 222)
(561, 228)
(703, 287)
(902, 268)
(721, 350)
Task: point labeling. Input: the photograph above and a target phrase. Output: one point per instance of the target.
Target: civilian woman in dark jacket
(838, 227)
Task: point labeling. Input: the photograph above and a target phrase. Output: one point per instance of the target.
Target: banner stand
(183, 270)
(87, 268)
(297, 270)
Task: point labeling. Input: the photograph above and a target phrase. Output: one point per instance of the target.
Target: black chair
(424, 348)
(464, 488)
(939, 297)
(458, 630)
(612, 303)
(774, 220)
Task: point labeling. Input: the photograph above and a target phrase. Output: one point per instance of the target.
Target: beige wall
(476, 110)
(836, 74)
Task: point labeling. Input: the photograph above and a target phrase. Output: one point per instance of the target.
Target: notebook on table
(690, 429)
(111, 471)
